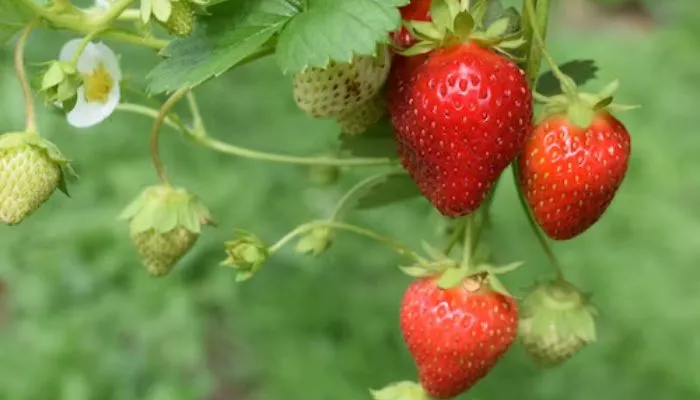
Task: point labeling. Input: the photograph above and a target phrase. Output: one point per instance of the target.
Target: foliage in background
(86, 323)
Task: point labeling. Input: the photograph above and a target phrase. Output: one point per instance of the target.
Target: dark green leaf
(232, 33)
(581, 71)
(395, 188)
(336, 30)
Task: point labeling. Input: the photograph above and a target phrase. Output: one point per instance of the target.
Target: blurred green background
(83, 321)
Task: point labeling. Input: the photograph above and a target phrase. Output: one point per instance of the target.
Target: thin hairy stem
(29, 110)
(155, 132)
(399, 248)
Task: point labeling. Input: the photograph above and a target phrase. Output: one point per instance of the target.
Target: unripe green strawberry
(181, 20)
(161, 251)
(556, 323)
(341, 87)
(363, 116)
(164, 223)
(31, 169)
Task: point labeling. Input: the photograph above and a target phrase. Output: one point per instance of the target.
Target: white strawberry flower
(99, 93)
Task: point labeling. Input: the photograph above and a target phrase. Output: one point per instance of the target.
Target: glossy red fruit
(456, 335)
(569, 175)
(461, 115)
(416, 10)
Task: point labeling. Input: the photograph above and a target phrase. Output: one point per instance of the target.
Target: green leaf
(220, 41)
(376, 141)
(393, 189)
(13, 16)
(336, 30)
(581, 71)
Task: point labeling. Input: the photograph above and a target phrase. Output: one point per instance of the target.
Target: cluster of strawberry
(462, 112)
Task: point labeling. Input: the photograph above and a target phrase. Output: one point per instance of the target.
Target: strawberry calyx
(246, 254)
(405, 390)
(18, 140)
(561, 308)
(473, 274)
(164, 208)
(455, 22)
(581, 108)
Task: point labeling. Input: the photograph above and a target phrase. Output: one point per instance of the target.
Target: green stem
(197, 121)
(537, 21)
(155, 133)
(544, 243)
(104, 19)
(252, 154)
(301, 229)
(150, 112)
(29, 110)
(539, 18)
(81, 47)
(285, 159)
(125, 36)
(456, 234)
(468, 243)
(130, 15)
(94, 23)
(361, 185)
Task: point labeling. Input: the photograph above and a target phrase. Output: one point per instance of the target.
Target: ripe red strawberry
(569, 175)
(416, 10)
(456, 335)
(461, 114)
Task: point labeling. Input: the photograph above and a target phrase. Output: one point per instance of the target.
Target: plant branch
(459, 230)
(399, 248)
(150, 112)
(121, 35)
(155, 132)
(544, 243)
(286, 159)
(538, 19)
(30, 112)
(361, 185)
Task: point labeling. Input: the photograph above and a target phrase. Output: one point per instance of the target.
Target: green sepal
(423, 30)
(498, 28)
(53, 75)
(161, 9)
(246, 254)
(453, 277)
(164, 208)
(454, 23)
(559, 305)
(405, 390)
(315, 241)
(15, 140)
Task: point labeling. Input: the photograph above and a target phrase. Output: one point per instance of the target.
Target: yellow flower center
(98, 84)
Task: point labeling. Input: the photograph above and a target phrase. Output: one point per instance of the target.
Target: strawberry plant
(439, 97)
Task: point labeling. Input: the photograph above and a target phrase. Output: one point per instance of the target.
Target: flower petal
(86, 114)
(89, 59)
(110, 61)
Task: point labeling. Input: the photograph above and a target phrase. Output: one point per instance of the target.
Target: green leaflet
(302, 34)
(581, 71)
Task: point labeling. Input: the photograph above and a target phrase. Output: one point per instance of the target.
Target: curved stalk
(544, 243)
(399, 248)
(29, 111)
(285, 159)
(155, 133)
(367, 182)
